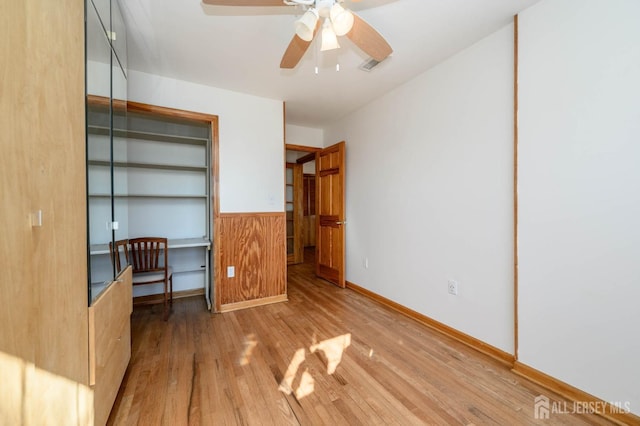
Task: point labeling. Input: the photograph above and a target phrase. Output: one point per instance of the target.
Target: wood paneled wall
(253, 243)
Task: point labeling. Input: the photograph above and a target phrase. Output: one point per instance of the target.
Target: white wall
(579, 215)
(98, 78)
(251, 158)
(251, 138)
(305, 136)
(429, 191)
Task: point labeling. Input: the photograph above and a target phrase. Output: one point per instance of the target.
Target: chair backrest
(148, 254)
(121, 247)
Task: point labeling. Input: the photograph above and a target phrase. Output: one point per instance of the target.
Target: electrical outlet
(452, 287)
(231, 271)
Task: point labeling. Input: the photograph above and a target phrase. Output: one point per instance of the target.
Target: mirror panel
(119, 37)
(103, 9)
(120, 156)
(99, 185)
(106, 90)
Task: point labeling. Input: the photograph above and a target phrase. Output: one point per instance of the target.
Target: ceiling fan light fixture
(306, 25)
(342, 19)
(329, 39)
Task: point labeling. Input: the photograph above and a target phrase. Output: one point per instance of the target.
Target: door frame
(311, 156)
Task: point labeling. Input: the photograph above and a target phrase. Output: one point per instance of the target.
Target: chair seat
(150, 277)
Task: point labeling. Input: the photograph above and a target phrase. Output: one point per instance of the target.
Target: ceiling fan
(332, 18)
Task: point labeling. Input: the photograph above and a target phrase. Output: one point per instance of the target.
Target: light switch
(231, 271)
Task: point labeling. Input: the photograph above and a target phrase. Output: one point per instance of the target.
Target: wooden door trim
(102, 101)
(306, 158)
(171, 112)
(302, 148)
(515, 187)
(251, 214)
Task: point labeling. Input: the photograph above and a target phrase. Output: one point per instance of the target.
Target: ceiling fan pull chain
(315, 58)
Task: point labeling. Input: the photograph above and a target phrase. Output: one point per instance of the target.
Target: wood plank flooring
(326, 357)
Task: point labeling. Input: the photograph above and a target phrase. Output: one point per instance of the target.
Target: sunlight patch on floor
(250, 344)
(333, 350)
(286, 386)
(307, 385)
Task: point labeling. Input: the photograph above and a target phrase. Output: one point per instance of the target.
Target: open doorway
(329, 217)
(301, 204)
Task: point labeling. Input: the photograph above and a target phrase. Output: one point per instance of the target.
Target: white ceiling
(239, 48)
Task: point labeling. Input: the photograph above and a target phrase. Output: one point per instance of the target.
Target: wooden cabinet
(44, 347)
(109, 343)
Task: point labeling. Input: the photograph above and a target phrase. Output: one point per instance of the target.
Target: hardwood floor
(327, 356)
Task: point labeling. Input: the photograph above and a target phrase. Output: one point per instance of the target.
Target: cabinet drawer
(109, 343)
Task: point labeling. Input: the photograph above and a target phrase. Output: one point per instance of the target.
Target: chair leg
(166, 302)
(171, 290)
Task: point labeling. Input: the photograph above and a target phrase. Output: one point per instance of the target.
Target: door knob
(341, 223)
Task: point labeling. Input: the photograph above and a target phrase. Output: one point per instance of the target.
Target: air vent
(369, 64)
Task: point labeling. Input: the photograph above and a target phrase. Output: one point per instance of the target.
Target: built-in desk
(177, 243)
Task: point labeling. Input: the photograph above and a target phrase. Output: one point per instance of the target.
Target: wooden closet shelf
(149, 195)
(156, 137)
(148, 166)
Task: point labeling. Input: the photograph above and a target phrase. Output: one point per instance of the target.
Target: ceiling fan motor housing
(324, 7)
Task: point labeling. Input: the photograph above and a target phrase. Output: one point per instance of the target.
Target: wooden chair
(150, 262)
(116, 252)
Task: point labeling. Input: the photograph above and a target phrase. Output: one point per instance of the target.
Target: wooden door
(309, 227)
(330, 241)
(294, 206)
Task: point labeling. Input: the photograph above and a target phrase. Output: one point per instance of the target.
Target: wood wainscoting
(254, 244)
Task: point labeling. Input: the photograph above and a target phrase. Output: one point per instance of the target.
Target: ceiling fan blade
(295, 52)
(257, 3)
(296, 49)
(369, 40)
